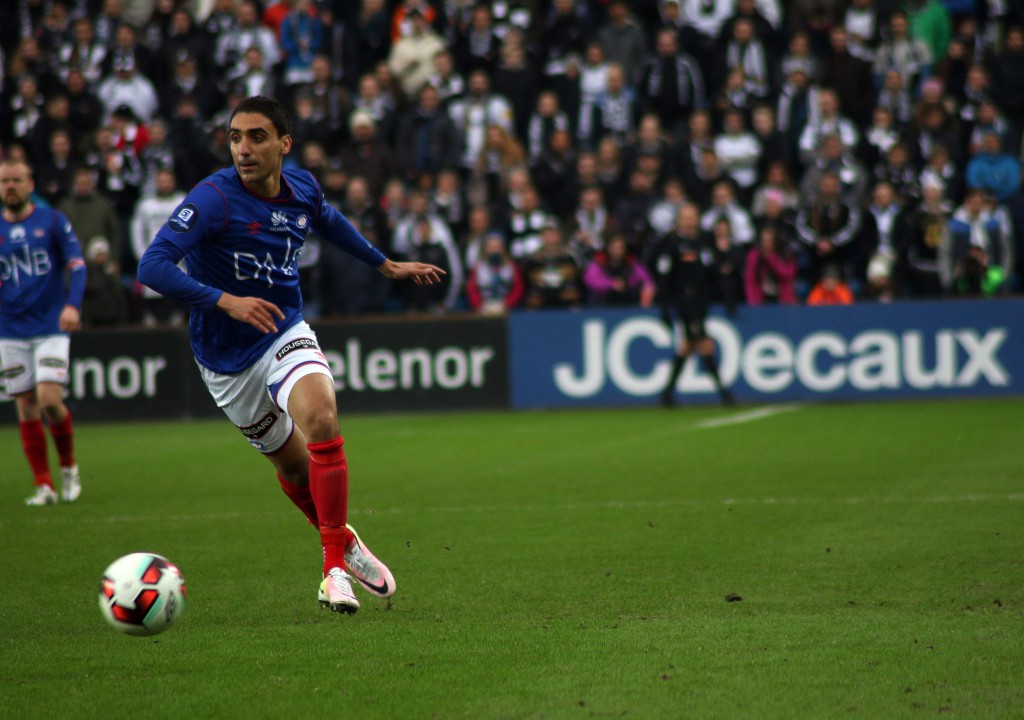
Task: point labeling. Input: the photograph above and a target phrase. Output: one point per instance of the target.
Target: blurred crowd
(832, 151)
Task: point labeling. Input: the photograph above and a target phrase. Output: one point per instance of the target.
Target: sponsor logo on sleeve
(53, 362)
(185, 219)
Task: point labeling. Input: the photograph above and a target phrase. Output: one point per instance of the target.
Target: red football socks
(63, 437)
(33, 440)
(328, 485)
(302, 497)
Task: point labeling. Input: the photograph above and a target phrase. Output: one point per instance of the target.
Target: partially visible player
(240, 232)
(39, 306)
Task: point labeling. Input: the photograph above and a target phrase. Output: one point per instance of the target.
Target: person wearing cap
(104, 303)
(367, 155)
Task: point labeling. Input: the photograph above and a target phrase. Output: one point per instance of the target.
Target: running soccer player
(38, 308)
(240, 232)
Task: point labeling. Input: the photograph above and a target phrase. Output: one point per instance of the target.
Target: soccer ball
(142, 594)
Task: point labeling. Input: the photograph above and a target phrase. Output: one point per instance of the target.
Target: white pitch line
(745, 417)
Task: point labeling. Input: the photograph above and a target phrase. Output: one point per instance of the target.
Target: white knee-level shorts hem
(256, 399)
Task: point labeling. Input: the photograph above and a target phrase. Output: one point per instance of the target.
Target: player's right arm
(203, 210)
(202, 213)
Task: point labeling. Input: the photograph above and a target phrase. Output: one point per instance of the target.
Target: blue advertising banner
(772, 354)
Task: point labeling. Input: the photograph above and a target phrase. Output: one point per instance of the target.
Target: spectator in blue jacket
(993, 170)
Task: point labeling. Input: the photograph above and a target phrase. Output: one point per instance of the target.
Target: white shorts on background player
(256, 399)
(26, 363)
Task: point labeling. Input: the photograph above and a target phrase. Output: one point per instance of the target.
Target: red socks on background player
(33, 440)
(328, 487)
(63, 437)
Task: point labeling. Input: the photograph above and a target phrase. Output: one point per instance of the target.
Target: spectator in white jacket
(151, 212)
(411, 60)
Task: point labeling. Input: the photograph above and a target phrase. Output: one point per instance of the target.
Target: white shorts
(26, 363)
(256, 399)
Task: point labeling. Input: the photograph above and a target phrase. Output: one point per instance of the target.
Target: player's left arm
(331, 225)
(74, 263)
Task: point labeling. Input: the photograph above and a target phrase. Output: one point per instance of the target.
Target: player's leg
(58, 418)
(706, 349)
(684, 348)
(300, 381)
(18, 366)
(33, 443)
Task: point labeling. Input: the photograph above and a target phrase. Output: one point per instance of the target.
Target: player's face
(257, 151)
(15, 186)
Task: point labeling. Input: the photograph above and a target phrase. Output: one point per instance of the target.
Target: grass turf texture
(549, 565)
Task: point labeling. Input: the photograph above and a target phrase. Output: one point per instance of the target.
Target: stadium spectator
(247, 32)
(609, 114)
(830, 289)
(82, 52)
(770, 271)
(367, 155)
(54, 174)
(126, 86)
(411, 59)
(590, 222)
(494, 283)
(552, 274)
(477, 46)
(623, 42)
(993, 170)
(672, 84)
(303, 442)
(349, 287)
(423, 234)
(614, 278)
(301, 36)
(724, 206)
(91, 214)
(104, 303)
(37, 313)
(902, 52)
(883, 241)
(828, 227)
(979, 250)
(151, 213)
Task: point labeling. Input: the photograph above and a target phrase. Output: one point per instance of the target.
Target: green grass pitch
(819, 561)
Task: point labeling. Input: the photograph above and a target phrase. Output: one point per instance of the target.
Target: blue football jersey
(35, 253)
(237, 242)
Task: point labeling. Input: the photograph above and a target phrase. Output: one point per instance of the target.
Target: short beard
(16, 209)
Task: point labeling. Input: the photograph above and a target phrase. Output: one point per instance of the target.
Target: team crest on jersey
(301, 222)
(185, 219)
(39, 232)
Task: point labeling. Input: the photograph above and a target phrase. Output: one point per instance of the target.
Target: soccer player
(684, 275)
(240, 232)
(38, 308)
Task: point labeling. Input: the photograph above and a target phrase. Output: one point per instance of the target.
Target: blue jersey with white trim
(237, 242)
(34, 255)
